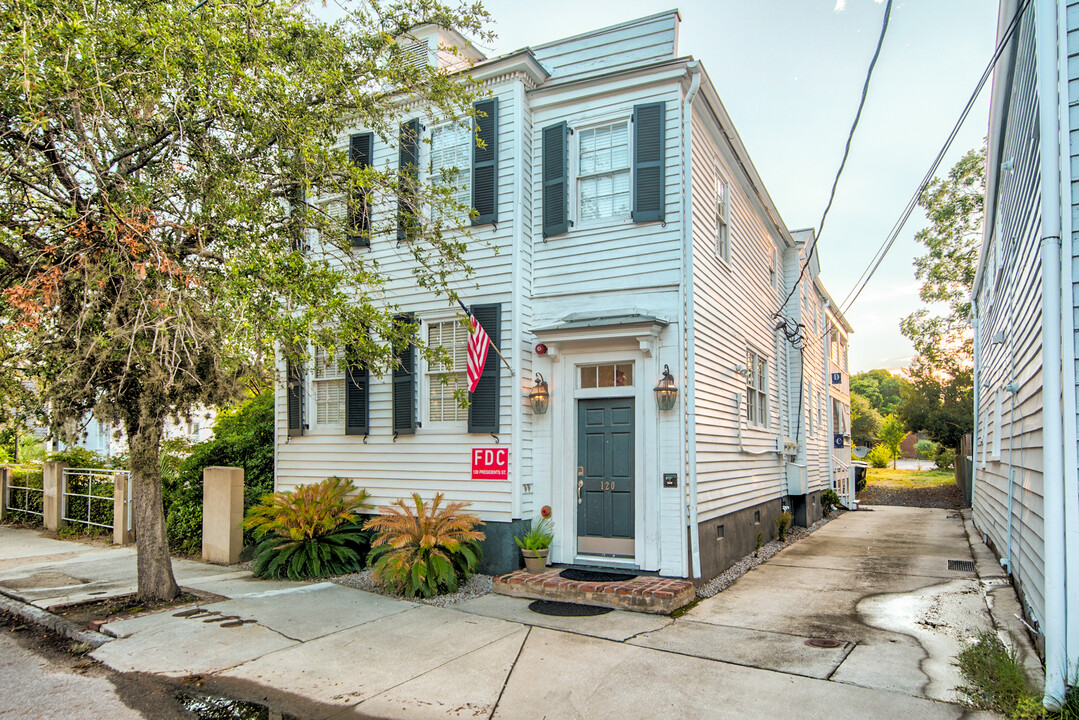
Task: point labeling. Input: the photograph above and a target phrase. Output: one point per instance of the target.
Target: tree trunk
(156, 581)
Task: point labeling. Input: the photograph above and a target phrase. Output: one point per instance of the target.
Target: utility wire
(843, 162)
(889, 241)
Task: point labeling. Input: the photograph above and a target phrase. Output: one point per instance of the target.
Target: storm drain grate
(961, 565)
(593, 576)
(565, 609)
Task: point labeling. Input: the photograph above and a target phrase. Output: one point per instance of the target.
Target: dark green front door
(605, 477)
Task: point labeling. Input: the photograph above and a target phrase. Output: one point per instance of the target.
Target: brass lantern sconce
(666, 391)
(539, 397)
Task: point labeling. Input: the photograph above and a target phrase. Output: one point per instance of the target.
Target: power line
(843, 162)
(889, 241)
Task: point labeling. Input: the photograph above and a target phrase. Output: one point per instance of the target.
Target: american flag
(478, 345)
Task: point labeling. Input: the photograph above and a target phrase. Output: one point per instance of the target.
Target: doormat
(565, 609)
(591, 576)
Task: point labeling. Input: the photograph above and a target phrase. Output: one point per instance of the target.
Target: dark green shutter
(555, 180)
(408, 158)
(404, 386)
(361, 148)
(297, 199)
(294, 389)
(357, 392)
(485, 164)
(483, 408)
(649, 124)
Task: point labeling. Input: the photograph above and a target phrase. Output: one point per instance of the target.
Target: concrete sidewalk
(876, 583)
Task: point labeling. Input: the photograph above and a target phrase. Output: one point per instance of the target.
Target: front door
(605, 477)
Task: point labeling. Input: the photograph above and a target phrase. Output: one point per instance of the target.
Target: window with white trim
(757, 389)
(723, 219)
(603, 177)
(442, 378)
(840, 415)
(328, 386)
(451, 166)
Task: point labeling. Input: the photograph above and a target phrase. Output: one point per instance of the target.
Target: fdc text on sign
(490, 464)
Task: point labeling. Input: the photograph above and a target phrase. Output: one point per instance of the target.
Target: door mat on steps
(565, 609)
(592, 576)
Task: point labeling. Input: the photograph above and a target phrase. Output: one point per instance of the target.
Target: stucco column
(222, 513)
(53, 481)
(120, 498)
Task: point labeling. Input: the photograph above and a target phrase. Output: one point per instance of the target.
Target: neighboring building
(1025, 493)
(635, 239)
(108, 440)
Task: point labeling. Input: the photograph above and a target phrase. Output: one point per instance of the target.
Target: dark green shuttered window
(483, 408)
(485, 164)
(555, 180)
(648, 171)
(357, 394)
(404, 385)
(408, 156)
(294, 388)
(361, 148)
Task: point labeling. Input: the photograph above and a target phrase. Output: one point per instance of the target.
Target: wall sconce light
(666, 391)
(540, 396)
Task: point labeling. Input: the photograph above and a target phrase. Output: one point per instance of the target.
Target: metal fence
(88, 496)
(25, 490)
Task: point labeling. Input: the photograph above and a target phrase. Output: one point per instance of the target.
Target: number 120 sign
(490, 464)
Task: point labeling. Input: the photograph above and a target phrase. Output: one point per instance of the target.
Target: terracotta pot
(535, 560)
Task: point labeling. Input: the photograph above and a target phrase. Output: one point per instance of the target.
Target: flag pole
(491, 344)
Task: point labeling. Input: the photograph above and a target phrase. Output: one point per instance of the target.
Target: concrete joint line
(53, 622)
(509, 674)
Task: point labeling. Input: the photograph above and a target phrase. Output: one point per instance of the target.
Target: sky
(790, 73)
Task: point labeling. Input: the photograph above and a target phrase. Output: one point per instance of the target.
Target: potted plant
(535, 543)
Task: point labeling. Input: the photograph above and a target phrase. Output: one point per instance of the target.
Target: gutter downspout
(694, 69)
(977, 324)
(1056, 613)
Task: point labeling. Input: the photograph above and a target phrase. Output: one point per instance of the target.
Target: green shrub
(310, 532)
(538, 537)
(994, 678)
(926, 449)
(427, 552)
(80, 457)
(243, 437)
(782, 523)
(945, 458)
(829, 501)
(879, 456)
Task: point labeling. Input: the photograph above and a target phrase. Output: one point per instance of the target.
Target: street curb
(53, 622)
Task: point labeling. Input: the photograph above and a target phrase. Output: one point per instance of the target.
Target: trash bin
(859, 475)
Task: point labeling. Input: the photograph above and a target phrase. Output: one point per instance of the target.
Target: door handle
(580, 484)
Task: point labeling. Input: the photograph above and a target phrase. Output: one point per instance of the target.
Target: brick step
(645, 593)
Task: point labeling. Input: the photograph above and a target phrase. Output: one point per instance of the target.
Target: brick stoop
(645, 593)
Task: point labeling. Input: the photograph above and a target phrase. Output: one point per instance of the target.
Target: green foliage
(425, 549)
(80, 457)
(891, 435)
(926, 449)
(940, 405)
(882, 390)
(783, 522)
(310, 532)
(829, 501)
(879, 456)
(994, 678)
(760, 541)
(865, 420)
(944, 458)
(243, 437)
(539, 535)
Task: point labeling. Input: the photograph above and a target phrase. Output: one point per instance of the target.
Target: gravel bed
(477, 586)
(724, 580)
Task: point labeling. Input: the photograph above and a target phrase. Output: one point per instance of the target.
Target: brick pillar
(222, 513)
(4, 482)
(53, 476)
(120, 498)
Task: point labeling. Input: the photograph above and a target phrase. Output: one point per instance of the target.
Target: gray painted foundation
(727, 539)
(806, 508)
(500, 553)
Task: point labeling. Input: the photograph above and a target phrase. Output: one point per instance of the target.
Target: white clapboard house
(638, 249)
(1026, 326)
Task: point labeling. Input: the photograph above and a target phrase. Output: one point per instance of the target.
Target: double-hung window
(451, 167)
(757, 389)
(328, 381)
(444, 378)
(603, 177)
(723, 220)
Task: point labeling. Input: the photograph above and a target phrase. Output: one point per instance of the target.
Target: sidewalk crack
(513, 666)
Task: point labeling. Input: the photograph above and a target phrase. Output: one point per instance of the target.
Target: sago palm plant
(425, 549)
(312, 531)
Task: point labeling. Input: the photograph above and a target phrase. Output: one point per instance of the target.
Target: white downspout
(694, 69)
(977, 323)
(1056, 618)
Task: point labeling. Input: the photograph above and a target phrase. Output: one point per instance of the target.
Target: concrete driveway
(871, 589)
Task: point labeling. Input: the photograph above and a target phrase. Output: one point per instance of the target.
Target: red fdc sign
(490, 464)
